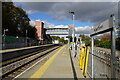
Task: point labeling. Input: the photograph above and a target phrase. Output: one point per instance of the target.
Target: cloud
(61, 26)
(48, 25)
(32, 23)
(94, 12)
(63, 0)
(78, 30)
(31, 11)
(83, 30)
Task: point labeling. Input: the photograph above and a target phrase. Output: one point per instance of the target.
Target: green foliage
(31, 32)
(85, 39)
(106, 44)
(118, 43)
(103, 43)
(55, 37)
(10, 39)
(61, 40)
(16, 20)
(97, 42)
(69, 37)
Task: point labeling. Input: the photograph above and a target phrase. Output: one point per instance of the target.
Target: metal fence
(17, 42)
(101, 64)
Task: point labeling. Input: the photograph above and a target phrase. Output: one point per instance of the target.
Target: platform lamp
(73, 47)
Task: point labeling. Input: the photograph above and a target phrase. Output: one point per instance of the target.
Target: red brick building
(40, 30)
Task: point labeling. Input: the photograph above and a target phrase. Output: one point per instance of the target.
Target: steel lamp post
(73, 33)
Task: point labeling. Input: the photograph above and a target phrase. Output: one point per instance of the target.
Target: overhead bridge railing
(84, 55)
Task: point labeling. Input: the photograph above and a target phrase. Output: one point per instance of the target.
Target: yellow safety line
(17, 49)
(43, 68)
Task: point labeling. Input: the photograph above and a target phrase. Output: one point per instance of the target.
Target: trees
(105, 44)
(85, 39)
(16, 20)
(106, 36)
(61, 40)
(69, 37)
(31, 32)
(97, 42)
(8, 22)
(104, 41)
(118, 43)
(55, 37)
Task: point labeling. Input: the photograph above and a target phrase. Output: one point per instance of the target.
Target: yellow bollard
(82, 53)
(86, 61)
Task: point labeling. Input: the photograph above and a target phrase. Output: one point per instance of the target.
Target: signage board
(70, 30)
(70, 25)
(107, 24)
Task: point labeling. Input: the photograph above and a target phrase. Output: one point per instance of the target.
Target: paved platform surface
(60, 65)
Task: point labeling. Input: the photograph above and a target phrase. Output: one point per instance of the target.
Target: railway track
(7, 62)
(12, 68)
(105, 57)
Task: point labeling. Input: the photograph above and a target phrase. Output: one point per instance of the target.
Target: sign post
(113, 50)
(92, 58)
(70, 28)
(106, 26)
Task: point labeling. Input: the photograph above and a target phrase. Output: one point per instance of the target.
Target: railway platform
(59, 64)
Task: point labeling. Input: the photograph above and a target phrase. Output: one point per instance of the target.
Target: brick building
(40, 30)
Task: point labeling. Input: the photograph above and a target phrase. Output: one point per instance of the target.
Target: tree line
(61, 40)
(103, 41)
(16, 20)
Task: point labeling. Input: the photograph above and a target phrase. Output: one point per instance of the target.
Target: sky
(54, 14)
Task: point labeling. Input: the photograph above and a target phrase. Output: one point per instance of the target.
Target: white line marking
(30, 67)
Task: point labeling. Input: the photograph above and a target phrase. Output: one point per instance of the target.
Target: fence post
(92, 58)
(113, 52)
